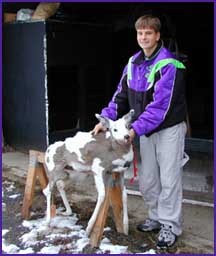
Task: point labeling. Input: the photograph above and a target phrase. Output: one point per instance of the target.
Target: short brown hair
(148, 21)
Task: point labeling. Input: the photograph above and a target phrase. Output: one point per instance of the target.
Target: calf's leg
(48, 193)
(60, 186)
(101, 196)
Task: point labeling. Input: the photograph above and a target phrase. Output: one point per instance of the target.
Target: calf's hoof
(66, 213)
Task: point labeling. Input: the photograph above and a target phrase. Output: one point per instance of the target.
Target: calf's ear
(128, 117)
(103, 120)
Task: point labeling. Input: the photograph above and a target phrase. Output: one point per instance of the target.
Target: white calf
(108, 151)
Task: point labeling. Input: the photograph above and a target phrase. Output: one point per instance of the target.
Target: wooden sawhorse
(113, 197)
(35, 170)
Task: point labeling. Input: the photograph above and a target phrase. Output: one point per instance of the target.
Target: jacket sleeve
(155, 112)
(119, 103)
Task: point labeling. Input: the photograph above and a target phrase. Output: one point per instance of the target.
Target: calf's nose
(127, 137)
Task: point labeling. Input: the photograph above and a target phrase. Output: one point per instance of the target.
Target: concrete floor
(198, 220)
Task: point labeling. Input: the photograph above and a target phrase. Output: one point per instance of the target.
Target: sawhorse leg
(36, 170)
(113, 197)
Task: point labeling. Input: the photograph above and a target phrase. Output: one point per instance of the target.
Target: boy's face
(147, 38)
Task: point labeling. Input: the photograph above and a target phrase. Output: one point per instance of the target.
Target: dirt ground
(136, 241)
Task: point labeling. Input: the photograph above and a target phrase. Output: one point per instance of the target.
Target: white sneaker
(148, 225)
(166, 237)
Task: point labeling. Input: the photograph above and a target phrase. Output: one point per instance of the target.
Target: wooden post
(116, 202)
(35, 170)
(113, 196)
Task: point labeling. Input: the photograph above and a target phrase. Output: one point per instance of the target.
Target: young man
(153, 84)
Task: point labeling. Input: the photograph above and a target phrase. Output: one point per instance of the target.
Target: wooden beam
(35, 171)
(30, 185)
(42, 177)
(117, 207)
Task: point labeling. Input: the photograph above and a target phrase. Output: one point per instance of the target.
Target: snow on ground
(43, 239)
(10, 187)
(14, 196)
(61, 227)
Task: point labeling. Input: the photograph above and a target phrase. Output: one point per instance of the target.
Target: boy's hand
(98, 127)
(132, 134)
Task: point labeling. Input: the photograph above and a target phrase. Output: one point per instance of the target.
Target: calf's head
(119, 129)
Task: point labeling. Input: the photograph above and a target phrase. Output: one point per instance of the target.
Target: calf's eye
(115, 130)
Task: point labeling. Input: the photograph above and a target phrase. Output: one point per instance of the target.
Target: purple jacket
(155, 88)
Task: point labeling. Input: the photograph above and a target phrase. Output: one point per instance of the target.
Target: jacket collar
(141, 57)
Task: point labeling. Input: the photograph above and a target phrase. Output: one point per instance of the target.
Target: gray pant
(160, 178)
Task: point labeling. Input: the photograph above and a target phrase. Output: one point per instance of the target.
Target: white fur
(129, 156)
(96, 168)
(118, 129)
(120, 162)
(52, 150)
(47, 192)
(60, 185)
(80, 167)
(77, 142)
(108, 135)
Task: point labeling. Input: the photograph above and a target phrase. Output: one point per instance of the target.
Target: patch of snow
(30, 239)
(26, 251)
(9, 248)
(80, 244)
(11, 186)
(14, 196)
(107, 229)
(51, 249)
(151, 251)
(64, 222)
(113, 249)
(4, 231)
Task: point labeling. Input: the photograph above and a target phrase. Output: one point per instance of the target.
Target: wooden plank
(9, 17)
(36, 170)
(41, 156)
(30, 185)
(53, 210)
(117, 207)
(41, 174)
